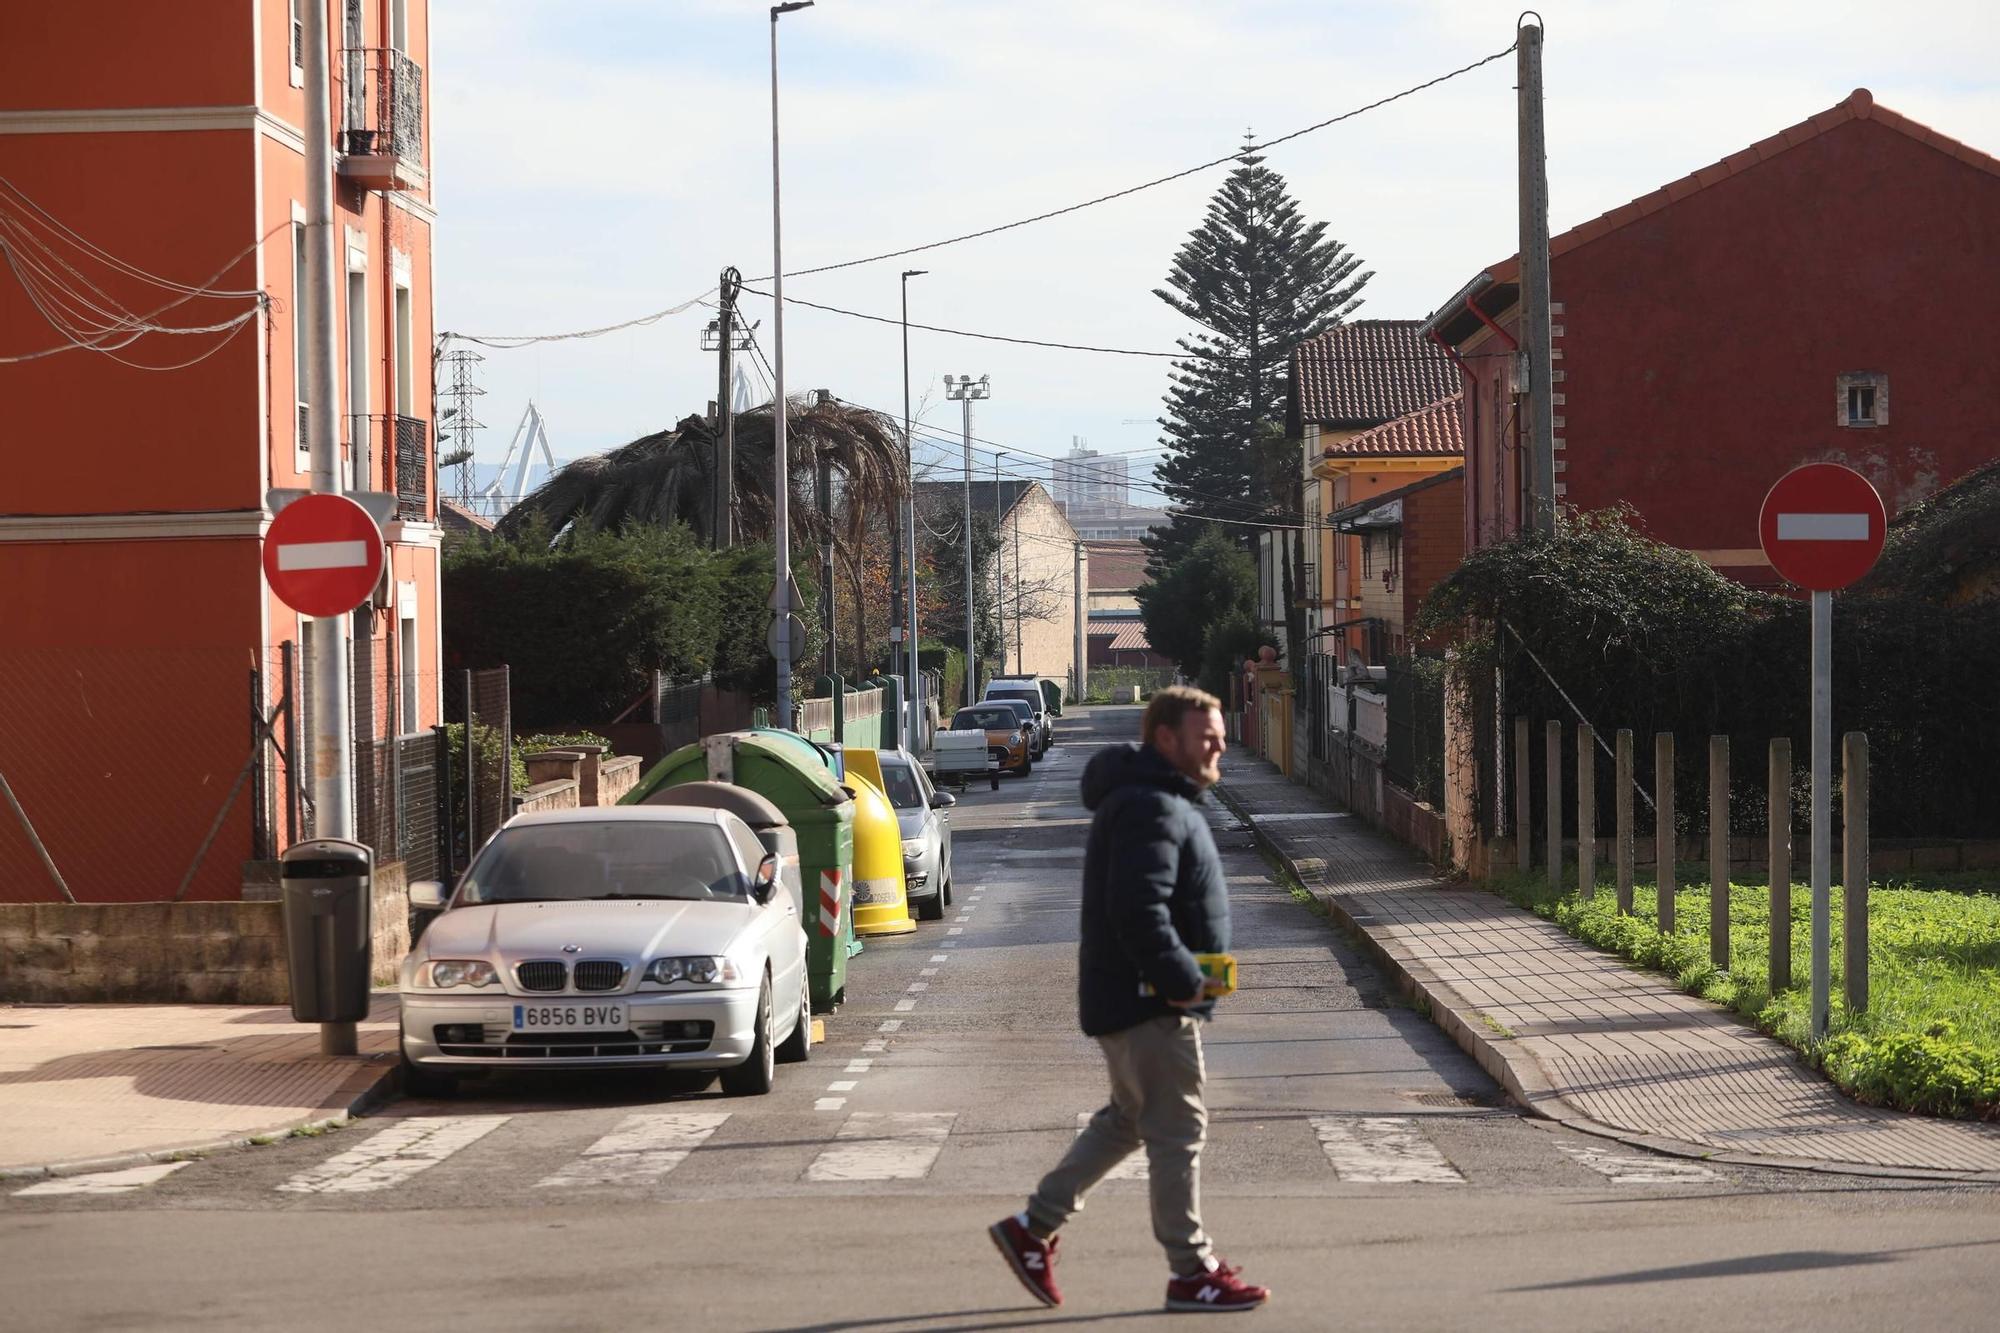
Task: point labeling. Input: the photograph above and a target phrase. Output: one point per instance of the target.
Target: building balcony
(382, 144)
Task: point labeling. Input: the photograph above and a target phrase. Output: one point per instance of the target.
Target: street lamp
(907, 557)
(781, 591)
(966, 392)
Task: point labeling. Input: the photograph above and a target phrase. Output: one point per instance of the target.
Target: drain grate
(1453, 1101)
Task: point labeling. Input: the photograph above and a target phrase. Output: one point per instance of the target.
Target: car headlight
(913, 848)
(446, 973)
(702, 970)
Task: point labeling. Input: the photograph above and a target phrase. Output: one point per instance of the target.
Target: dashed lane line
(1624, 1169)
(103, 1182)
(641, 1150)
(391, 1157)
(1382, 1150)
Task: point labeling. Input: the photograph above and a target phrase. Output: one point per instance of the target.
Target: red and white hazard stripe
(829, 903)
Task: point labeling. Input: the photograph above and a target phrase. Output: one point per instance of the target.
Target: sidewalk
(1576, 1035)
(94, 1087)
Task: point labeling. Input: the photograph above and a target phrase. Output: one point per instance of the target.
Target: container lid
(756, 810)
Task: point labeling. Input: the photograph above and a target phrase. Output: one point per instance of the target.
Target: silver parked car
(643, 937)
(923, 812)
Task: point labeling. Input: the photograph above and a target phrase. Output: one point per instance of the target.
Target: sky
(599, 160)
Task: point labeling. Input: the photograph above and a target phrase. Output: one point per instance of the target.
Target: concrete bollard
(1553, 735)
(1718, 851)
(1623, 764)
(1524, 798)
(1854, 867)
(1663, 828)
(1586, 811)
(1778, 805)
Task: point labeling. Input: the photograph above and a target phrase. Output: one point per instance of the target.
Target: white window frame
(359, 399)
(1845, 386)
(403, 339)
(409, 641)
(302, 451)
(399, 25)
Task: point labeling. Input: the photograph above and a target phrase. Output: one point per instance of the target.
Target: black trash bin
(325, 884)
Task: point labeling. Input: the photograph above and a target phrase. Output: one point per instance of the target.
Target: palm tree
(667, 477)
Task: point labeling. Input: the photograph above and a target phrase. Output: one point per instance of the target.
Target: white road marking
(940, 957)
(322, 555)
(1623, 1169)
(1816, 528)
(1132, 1168)
(949, 930)
(919, 987)
(890, 1025)
(394, 1155)
(829, 1103)
(904, 1006)
(1290, 817)
(639, 1151)
(1383, 1150)
(884, 1145)
(858, 1066)
(841, 1085)
(103, 1182)
(927, 972)
(1043, 853)
(874, 1046)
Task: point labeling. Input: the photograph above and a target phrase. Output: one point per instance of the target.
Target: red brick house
(1815, 296)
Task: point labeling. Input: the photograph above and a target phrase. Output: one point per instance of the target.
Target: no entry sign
(1822, 526)
(323, 555)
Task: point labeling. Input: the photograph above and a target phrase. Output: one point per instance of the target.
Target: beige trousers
(1156, 1084)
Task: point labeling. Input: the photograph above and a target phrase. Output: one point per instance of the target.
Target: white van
(1029, 693)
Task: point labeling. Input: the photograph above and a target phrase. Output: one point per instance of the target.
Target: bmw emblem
(572, 948)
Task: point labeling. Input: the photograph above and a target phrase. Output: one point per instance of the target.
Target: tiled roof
(1128, 635)
(1367, 372)
(982, 493)
(1116, 566)
(1857, 105)
(1437, 431)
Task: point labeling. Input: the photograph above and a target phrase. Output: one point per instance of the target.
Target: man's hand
(1210, 989)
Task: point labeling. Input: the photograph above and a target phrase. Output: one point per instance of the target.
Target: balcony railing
(383, 142)
(391, 453)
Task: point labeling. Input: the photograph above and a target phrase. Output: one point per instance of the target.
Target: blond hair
(1170, 705)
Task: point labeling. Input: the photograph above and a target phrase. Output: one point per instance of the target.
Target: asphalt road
(1359, 1164)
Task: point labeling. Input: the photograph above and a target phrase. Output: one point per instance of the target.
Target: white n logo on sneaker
(1209, 1292)
(1032, 1260)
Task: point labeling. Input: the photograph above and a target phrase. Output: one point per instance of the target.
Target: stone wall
(616, 779)
(172, 953)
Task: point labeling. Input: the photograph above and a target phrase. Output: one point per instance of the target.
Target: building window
(1367, 555)
(1862, 400)
(298, 46)
(300, 318)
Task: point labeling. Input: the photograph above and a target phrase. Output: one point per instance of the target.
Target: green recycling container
(794, 775)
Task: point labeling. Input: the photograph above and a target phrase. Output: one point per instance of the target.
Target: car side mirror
(427, 895)
(764, 884)
(944, 800)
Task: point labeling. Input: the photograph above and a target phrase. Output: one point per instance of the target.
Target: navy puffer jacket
(1154, 894)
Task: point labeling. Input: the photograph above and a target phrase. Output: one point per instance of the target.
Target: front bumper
(658, 1033)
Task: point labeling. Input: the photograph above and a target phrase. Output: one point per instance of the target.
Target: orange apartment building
(149, 151)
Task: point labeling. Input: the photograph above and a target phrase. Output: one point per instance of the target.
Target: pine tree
(1259, 279)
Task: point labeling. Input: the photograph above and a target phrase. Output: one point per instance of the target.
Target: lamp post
(966, 392)
(907, 522)
(781, 537)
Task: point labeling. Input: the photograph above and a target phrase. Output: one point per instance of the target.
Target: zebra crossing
(643, 1150)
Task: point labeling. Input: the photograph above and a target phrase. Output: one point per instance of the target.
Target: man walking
(1154, 896)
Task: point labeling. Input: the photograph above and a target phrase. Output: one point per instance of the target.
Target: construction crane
(498, 496)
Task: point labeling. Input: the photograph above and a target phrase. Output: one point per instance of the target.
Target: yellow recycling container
(881, 904)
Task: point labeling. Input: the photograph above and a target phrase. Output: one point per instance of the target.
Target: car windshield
(581, 860)
(995, 718)
(1026, 694)
(900, 784)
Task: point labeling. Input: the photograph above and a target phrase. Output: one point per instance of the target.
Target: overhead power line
(1237, 155)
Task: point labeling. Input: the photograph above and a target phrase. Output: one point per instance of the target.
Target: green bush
(542, 740)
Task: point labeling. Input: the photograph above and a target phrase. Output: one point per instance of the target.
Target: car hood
(636, 931)
(911, 822)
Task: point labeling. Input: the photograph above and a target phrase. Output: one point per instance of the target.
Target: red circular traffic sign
(1822, 526)
(323, 555)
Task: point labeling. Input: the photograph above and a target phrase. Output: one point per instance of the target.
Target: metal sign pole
(1822, 805)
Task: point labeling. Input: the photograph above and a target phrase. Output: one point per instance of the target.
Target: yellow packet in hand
(1218, 972)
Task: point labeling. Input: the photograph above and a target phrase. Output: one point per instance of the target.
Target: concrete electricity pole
(1537, 362)
(999, 584)
(723, 498)
(1082, 685)
(781, 487)
(965, 391)
(332, 782)
(907, 546)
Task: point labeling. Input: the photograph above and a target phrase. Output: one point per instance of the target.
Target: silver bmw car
(650, 937)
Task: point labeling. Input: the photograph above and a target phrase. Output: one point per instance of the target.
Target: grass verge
(1930, 1038)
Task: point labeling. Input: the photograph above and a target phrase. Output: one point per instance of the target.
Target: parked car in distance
(1008, 739)
(924, 813)
(1029, 693)
(1037, 746)
(649, 937)
(1052, 695)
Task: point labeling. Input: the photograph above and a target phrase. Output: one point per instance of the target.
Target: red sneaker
(1218, 1292)
(1032, 1259)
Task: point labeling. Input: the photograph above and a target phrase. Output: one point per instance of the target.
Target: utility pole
(906, 544)
(1020, 654)
(967, 392)
(823, 490)
(1082, 685)
(723, 496)
(999, 583)
(333, 801)
(781, 496)
(1537, 364)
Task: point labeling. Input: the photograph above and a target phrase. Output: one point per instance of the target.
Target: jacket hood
(1131, 765)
